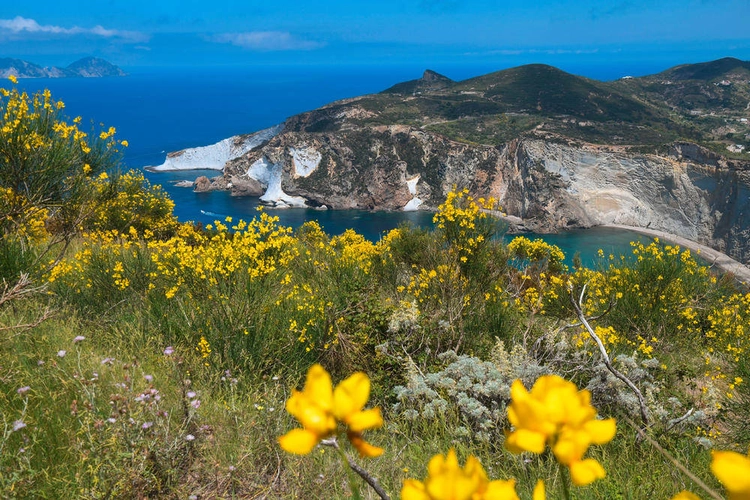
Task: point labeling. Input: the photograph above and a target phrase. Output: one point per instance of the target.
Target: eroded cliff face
(548, 182)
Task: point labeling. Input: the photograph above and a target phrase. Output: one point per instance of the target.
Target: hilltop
(540, 99)
(88, 67)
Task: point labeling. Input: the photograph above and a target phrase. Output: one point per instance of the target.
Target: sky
(205, 33)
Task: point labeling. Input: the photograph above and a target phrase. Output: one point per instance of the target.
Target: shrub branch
(373, 482)
(578, 306)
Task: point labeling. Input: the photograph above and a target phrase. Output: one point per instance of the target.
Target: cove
(217, 205)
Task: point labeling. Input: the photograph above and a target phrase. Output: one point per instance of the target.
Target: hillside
(88, 67)
(712, 99)
(541, 100)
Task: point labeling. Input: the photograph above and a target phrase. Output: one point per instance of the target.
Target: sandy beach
(714, 257)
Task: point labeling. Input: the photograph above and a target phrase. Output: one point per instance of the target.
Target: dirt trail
(714, 257)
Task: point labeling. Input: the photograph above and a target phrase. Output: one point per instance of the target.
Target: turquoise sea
(159, 111)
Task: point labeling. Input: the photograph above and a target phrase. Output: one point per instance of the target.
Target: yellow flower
(446, 480)
(539, 493)
(13, 79)
(557, 414)
(733, 471)
(686, 495)
(319, 408)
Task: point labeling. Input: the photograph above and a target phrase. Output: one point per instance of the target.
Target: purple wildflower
(18, 425)
(61, 353)
(23, 390)
(78, 338)
(169, 351)
(196, 403)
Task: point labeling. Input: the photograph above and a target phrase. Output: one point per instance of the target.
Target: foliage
(187, 339)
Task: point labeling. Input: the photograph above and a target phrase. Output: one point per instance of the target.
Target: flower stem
(352, 478)
(565, 481)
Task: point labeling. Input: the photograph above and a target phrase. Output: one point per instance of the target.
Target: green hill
(709, 71)
(545, 90)
(538, 99)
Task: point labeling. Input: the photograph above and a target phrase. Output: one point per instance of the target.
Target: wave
(213, 214)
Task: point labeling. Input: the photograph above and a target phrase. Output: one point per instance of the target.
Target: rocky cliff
(557, 151)
(549, 183)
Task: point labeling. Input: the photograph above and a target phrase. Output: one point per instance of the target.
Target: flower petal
(601, 431)
(501, 490)
(364, 448)
(733, 471)
(413, 490)
(318, 387)
(474, 468)
(586, 472)
(351, 395)
(363, 420)
(451, 485)
(539, 493)
(298, 441)
(525, 440)
(686, 495)
(571, 445)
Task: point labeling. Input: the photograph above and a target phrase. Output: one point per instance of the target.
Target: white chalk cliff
(215, 156)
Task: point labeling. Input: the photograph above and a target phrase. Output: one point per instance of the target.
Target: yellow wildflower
(733, 471)
(539, 492)
(204, 347)
(319, 408)
(446, 480)
(13, 79)
(686, 495)
(556, 413)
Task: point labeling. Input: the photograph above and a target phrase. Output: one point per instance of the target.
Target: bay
(158, 111)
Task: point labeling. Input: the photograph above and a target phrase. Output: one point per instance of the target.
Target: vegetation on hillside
(146, 357)
(702, 103)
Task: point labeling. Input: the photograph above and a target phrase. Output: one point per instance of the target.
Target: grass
(90, 431)
(235, 452)
(155, 359)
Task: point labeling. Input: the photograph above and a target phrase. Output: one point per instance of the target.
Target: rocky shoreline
(714, 257)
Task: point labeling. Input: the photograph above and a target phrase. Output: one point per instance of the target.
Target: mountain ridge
(87, 67)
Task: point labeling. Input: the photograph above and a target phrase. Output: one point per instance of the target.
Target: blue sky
(136, 33)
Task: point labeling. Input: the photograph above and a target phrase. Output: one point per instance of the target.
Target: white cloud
(267, 41)
(19, 25)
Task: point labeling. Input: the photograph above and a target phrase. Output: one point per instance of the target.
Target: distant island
(88, 67)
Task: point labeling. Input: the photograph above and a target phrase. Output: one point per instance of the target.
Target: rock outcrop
(549, 184)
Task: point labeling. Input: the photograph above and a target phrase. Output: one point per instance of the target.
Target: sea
(159, 110)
